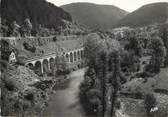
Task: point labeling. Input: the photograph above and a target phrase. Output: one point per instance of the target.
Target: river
(65, 103)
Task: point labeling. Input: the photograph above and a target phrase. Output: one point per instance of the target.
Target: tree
(5, 27)
(129, 61)
(103, 60)
(39, 11)
(158, 54)
(42, 31)
(115, 80)
(61, 66)
(92, 46)
(97, 57)
(134, 45)
(89, 96)
(90, 77)
(150, 102)
(27, 27)
(163, 33)
(94, 98)
(15, 29)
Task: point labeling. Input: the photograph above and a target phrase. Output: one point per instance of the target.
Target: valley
(83, 60)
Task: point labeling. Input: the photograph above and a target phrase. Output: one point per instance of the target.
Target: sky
(128, 5)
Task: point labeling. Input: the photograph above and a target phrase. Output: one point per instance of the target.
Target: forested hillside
(95, 16)
(38, 11)
(148, 14)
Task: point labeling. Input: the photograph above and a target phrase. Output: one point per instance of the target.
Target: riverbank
(65, 102)
(26, 94)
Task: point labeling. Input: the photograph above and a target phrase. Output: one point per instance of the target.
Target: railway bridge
(69, 47)
(38, 63)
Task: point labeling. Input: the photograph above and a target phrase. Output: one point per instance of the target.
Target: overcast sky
(128, 5)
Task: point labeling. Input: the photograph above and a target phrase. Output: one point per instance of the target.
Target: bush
(150, 102)
(144, 74)
(4, 65)
(118, 104)
(91, 100)
(11, 84)
(21, 61)
(29, 95)
(29, 47)
(139, 95)
(21, 105)
(55, 39)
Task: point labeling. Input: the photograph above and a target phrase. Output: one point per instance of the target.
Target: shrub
(4, 65)
(150, 102)
(118, 104)
(21, 61)
(55, 39)
(29, 95)
(144, 74)
(29, 47)
(139, 95)
(93, 98)
(90, 98)
(11, 84)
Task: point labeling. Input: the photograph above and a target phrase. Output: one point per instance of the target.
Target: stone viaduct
(71, 46)
(49, 60)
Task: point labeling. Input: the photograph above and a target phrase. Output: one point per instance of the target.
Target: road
(65, 103)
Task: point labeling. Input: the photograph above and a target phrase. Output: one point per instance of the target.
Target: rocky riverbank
(26, 94)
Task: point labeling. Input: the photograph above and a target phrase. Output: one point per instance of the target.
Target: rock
(19, 95)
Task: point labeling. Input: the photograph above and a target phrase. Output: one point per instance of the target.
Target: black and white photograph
(84, 58)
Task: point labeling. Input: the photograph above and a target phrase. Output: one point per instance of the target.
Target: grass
(162, 80)
(135, 107)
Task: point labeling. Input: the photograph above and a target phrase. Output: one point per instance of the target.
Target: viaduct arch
(46, 63)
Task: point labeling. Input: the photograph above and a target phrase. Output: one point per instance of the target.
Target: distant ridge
(95, 16)
(146, 15)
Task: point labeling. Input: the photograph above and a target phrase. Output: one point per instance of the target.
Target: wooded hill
(95, 16)
(146, 15)
(39, 12)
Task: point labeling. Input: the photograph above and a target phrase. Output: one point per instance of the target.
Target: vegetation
(29, 47)
(129, 62)
(146, 15)
(94, 16)
(38, 11)
(134, 45)
(61, 67)
(133, 51)
(6, 49)
(107, 72)
(141, 47)
(89, 96)
(129, 65)
(18, 97)
(158, 54)
(150, 102)
(115, 81)
(163, 33)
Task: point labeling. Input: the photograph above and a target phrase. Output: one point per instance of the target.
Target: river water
(65, 103)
